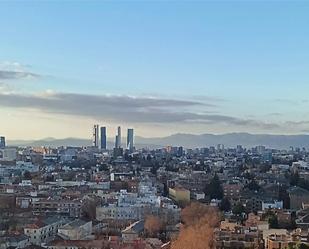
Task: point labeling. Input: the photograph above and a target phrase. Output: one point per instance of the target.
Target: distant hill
(188, 141)
(78, 142)
(230, 140)
(52, 142)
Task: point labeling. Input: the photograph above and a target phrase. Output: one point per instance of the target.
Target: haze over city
(159, 67)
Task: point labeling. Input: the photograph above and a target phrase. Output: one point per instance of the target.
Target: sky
(160, 67)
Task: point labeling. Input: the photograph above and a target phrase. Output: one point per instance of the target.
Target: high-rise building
(2, 142)
(95, 136)
(103, 138)
(130, 137)
(118, 138)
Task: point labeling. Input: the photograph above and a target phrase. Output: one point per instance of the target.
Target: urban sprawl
(173, 197)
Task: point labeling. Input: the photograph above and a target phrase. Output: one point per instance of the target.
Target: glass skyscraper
(103, 138)
(130, 136)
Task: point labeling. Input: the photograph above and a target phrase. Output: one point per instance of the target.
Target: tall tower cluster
(100, 132)
(96, 135)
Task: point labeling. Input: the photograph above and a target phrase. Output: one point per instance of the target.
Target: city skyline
(159, 67)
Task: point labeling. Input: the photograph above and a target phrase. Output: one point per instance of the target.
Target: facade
(298, 196)
(130, 137)
(8, 154)
(179, 194)
(133, 231)
(232, 190)
(272, 205)
(76, 230)
(16, 241)
(278, 241)
(2, 142)
(95, 136)
(43, 231)
(103, 138)
(63, 207)
(238, 237)
(118, 138)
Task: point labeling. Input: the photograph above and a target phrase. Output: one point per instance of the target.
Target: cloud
(15, 75)
(275, 114)
(292, 101)
(4, 88)
(124, 108)
(15, 71)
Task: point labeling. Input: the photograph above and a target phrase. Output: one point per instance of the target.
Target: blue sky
(245, 63)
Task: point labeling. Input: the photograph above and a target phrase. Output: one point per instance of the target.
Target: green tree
(253, 186)
(302, 246)
(27, 175)
(294, 179)
(225, 205)
(214, 188)
(273, 221)
(238, 209)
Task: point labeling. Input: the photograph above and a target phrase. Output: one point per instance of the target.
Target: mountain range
(186, 140)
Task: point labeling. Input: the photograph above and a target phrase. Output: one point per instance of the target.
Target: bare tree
(153, 225)
(197, 233)
(194, 212)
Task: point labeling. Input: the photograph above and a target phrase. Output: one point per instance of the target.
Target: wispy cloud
(14, 75)
(125, 108)
(274, 114)
(15, 71)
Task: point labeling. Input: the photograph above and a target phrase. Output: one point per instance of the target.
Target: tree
(225, 205)
(265, 167)
(198, 232)
(194, 212)
(238, 209)
(103, 167)
(273, 221)
(153, 225)
(27, 175)
(89, 207)
(214, 188)
(294, 178)
(302, 246)
(253, 186)
(284, 196)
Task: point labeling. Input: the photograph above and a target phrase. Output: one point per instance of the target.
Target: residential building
(43, 230)
(76, 230)
(179, 194)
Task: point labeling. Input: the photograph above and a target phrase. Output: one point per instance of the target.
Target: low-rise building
(76, 230)
(179, 194)
(43, 230)
(239, 237)
(133, 231)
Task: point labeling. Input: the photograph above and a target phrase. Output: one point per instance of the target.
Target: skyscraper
(2, 142)
(118, 138)
(103, 138)
(130, 136)
(95, 136)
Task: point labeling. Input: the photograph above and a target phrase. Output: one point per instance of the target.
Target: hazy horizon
(111, 138)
